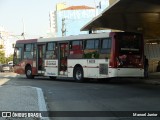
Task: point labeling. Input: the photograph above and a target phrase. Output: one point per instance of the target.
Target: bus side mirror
(13, 45)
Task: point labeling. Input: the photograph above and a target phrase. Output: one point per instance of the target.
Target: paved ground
(20, 101)
(119, 95)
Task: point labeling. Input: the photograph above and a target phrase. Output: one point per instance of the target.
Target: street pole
(23, 29)
(63, 27)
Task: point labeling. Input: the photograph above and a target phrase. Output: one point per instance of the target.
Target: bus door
(41, 55)
(63, 55)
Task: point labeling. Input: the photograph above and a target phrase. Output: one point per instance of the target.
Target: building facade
(71, 19)
(53, 24)
(60, 6)
(6, 42)
(66, 21)
(53, 19)
(3, 34)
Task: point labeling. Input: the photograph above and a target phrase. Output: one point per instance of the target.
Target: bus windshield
(130, 43)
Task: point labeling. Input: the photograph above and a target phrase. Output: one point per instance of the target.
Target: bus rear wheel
(29, 73)
(78, 74)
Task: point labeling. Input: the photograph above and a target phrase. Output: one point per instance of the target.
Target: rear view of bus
(127, 55)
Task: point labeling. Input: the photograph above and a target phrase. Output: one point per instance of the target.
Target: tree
(1, 46)
(2, 57)
(10, 58)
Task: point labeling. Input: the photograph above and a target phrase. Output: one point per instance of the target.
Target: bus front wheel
(78, 74)
(29, 73)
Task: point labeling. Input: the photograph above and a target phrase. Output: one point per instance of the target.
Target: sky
(32, 14)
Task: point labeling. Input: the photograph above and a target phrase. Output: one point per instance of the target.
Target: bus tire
(28, 72)
(78, 74)
(52, 77)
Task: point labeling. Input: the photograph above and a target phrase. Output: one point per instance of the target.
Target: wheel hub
(78, 75)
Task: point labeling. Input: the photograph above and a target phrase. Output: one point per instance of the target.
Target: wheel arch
(27, 65)
(78, 65)
(74, 70)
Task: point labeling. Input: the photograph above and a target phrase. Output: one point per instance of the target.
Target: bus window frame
(108, 49)
(130, 49)
(54, 51)
(76, 53)
(85, 44)
(31, 51)
(16, 59)
(71, 45)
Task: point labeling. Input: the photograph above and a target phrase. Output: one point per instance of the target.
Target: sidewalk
(22, 99)
(154, 78)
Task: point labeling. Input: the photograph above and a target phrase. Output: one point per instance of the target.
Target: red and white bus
(104, 55)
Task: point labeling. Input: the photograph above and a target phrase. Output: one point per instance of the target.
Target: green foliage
(1, 46)
(10, 58)
(91, 55)
(3, 59)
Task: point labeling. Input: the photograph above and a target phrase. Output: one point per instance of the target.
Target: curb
(3, 81)
(41, 102)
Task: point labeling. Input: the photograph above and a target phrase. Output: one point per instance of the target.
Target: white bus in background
(104, 55)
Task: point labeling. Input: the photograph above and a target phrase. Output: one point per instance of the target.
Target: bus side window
(105, 48)
(89, 44)
(76, 49)
(51, 52)
(91, 48)
(28, 51)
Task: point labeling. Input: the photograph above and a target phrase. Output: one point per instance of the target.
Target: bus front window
(17, 55)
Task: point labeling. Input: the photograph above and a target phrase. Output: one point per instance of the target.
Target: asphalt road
(118, 95)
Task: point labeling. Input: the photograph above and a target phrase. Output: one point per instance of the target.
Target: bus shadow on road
(118, 81)
(91, 81)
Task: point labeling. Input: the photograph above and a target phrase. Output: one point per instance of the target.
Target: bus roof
(76, 37)
(27, 41)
